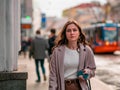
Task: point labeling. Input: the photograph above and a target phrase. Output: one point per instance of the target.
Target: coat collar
(62, 47)
(82, 55)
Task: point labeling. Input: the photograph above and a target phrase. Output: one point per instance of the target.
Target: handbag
(72, 84)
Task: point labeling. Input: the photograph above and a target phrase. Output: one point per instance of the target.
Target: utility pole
(107, 11)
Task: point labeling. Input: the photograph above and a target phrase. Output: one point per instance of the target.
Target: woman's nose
(72, 32)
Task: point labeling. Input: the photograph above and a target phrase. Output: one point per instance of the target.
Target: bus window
(110, 34)
(89, 35)
(98, 36)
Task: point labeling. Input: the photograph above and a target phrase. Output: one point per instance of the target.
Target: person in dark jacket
(38, 47)
(24, 46)
(51, 40)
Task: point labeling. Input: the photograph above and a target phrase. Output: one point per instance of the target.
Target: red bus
(104, 37)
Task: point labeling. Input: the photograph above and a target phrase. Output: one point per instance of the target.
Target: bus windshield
(110, 35)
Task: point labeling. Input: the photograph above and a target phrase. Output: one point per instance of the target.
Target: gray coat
(39, 46)
(56, 80)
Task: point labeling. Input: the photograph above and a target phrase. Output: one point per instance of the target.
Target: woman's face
(72, 33)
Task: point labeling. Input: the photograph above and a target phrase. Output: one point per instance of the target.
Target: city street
(104, 68)
(98, 20)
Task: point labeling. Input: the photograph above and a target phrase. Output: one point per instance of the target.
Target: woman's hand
(86, 71)
(81, 78)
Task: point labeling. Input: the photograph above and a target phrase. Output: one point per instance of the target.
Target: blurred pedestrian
(29, 46)
(51, 40)
(24, 46)
(38, 47)
(72, 61)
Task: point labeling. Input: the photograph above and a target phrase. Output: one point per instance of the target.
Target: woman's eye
(68, 30)
(74, 30)
(71, 30)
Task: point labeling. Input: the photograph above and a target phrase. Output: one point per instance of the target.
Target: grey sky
(55, 7)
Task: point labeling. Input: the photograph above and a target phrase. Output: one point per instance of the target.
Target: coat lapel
(82, 57)
(61, 64)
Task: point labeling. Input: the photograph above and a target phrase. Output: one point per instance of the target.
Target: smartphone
(81, 72)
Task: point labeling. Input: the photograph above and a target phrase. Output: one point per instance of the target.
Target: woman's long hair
(61, 38)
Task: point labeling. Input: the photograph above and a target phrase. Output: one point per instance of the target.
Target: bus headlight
(107, 43)
(115, 43)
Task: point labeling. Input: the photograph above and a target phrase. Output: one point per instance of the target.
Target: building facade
(85, 13)
(26, 18)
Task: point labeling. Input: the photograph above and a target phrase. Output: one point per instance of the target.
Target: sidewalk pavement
(32, 85)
